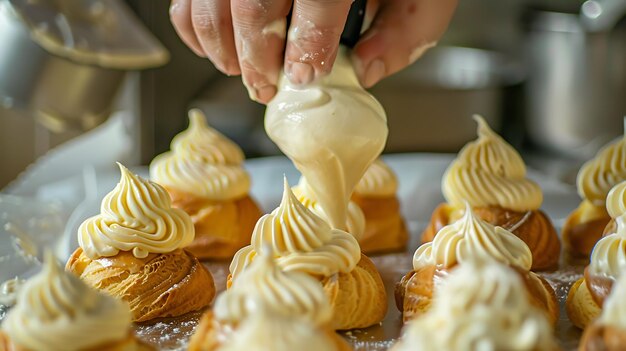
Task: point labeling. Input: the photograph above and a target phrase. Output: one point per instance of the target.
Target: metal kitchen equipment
(65, 60)
(576, 88)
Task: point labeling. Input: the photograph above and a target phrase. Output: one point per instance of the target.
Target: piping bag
(332, 129)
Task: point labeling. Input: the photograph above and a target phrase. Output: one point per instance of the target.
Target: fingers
(314, 33)
(180, 16)
(213, 27)
(401, 32)
(259, 32)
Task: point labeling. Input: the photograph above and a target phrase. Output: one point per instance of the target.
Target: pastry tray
(419, 193)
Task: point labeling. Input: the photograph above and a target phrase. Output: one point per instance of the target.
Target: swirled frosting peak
(608, 258)
(135, 216)
(616, 200)
(472, 239)
(489, 172)
(378, 181)
(332, 130)
(265, 331)
(355, 223)
(202, 162)
(480, 307)
(56, 311)
(596, 177)
(614, 309)
(300, 241)
(265, 285)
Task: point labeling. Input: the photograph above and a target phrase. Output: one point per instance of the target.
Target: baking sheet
(419, 192)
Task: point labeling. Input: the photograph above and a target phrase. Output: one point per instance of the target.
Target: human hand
(248, 37)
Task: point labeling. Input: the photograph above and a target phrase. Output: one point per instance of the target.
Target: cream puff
(269, 309)
(56, 311)
(375, 194)
(480, 307)
(608, 261)
(608, 332)
(204, 175)
(304, 242)
(586, 224)
(133, 250)
(469, 239)
(491, 176)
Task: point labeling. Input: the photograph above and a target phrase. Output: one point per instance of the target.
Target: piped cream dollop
(480, 307)
(616, 200)
(202, 162)
(135, 216)
(489, 172)
(355, 222)
(471, 239)
(614, 309)
(265, 286)
(266, 331)
(608, 258)
(378, 181)
(332, 130)
(300, 241)
(56, 311)
(596, 177)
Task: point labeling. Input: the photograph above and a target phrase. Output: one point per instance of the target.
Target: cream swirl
(265, 285)
(489, 172)
(616, 200)
(300, 241)
(614, 309)
(470, 239)
(598, 175)
(480, 307)
(355, 222)
(276, 332)
(135, 216)
(9, 291)
(608, 258)
(202, 162)
(56, 311)
(378, 181)
(332, 130)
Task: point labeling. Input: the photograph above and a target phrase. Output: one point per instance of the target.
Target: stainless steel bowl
(430, 104)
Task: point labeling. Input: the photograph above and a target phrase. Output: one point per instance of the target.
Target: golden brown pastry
(204, 175)
(133, 250)
(375, 194)
(585, 225)
(480, 306)
(608, 332)
(302, 241)
(608, 261)
(469, 239)
(55, 311)
(491, 176)
(268, 309)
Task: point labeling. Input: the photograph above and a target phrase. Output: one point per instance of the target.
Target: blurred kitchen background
(550, 75)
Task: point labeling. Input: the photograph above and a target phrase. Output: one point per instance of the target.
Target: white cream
(136, 216)
(480, 307)
(56, 311)
(332, 130)
(9, 291)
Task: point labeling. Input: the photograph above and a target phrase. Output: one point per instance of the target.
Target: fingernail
(174, 7)
(301, 73)
(261, 94)
(266, 93)
(374, 72)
